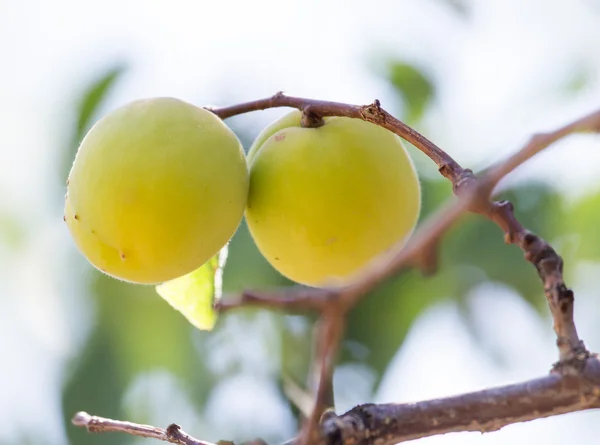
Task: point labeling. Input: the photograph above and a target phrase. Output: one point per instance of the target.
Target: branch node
(463, 180)
(575, 365)
(373, 112)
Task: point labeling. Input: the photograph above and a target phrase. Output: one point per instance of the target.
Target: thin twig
(370, 113)
(173, 433)
(292, 299)
(586, 124)
(329, 334)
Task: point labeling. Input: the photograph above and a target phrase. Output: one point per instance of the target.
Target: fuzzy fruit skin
(325, 201)
(157, 188)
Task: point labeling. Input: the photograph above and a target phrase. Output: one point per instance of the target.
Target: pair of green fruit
(159, 186)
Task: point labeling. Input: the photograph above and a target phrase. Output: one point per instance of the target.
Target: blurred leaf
(139, 332)
(94, 97)
(578, 78)
(12, 233)
(415, 88)
(147, 334)
(195, 293)
(378, 326)
(582, 220)
(95, 385)
(88, 105)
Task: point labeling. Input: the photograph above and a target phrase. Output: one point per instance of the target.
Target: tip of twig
(81, 419)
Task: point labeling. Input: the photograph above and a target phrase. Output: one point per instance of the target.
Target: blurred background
(478, 78)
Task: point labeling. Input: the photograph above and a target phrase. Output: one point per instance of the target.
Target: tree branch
(483, 411)
(370, 113)
(173, 433)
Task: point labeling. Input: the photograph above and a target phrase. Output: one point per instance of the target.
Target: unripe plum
(156, 189)
(325, 201)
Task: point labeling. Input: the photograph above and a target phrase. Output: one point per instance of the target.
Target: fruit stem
(310, 119)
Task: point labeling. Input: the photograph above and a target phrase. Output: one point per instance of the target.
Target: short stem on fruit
(311, 119)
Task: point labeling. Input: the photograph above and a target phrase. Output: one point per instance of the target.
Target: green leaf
(94, 384)
(414, 87)
(194, 294)
(94, 97)
(12, 232)
(582, 220)
(378, 326)
(145, 335)
(578, 79)
(87, 107)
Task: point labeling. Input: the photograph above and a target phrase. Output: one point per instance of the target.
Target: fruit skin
(157, 188)
(325, 201)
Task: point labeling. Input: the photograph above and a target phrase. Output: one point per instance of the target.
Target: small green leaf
(416, 89)
(87, 107)
(94, 97)
(194, 294)
(581, 221)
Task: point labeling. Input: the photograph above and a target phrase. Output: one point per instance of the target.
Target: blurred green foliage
(87, 109)
(414, 87)
(135, 331)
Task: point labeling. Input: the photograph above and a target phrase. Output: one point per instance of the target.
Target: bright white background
(500, 74)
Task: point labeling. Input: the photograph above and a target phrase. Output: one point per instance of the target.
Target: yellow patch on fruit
(157, 188)
(325, 201)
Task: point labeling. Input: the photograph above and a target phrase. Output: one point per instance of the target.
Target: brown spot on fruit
(280, 137)
(76, 216)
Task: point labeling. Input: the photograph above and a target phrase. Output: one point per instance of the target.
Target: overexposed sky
(501, 72)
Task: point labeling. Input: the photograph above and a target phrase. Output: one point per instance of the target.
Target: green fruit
(325, 201)
(157, 188)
